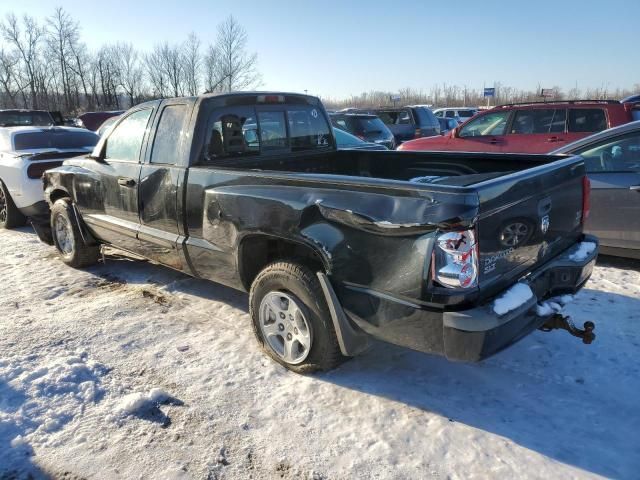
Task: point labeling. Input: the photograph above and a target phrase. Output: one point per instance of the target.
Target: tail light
(35, 170)
(586, 202)
(418, 133)
(455, 260)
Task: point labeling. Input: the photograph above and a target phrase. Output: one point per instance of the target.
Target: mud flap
(352, 340)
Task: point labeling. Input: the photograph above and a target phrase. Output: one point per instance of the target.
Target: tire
(10, 216)
(67, 239)
(291, 281)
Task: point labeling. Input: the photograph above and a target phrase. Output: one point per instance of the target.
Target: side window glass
(619, 155)
(404, 118)
(532, 121)
(450, 114)
(231, 132)
(489, 124)
(438, 114)
(559, 121)
(168, 135)
(125, 140)
(273, 130)
(587, 120)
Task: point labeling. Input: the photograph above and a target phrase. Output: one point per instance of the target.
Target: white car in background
(25, 153)
(460, 114)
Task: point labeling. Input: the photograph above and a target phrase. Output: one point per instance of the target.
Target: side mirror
(455, 133)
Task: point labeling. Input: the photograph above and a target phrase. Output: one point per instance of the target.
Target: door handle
(555, 139)
(126, 182)
(493, 141)
(635, 188)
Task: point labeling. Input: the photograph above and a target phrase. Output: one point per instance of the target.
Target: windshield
(59, 139)
(16, 118)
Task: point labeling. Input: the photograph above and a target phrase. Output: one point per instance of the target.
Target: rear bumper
(465, 335)
(478, 333)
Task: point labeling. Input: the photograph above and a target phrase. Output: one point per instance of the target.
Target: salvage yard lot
(130, 370)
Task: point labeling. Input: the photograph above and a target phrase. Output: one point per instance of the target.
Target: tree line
(445, 95)
(46, 65)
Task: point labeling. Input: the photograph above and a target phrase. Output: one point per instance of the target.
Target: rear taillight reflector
(586, 201)
(455, 260)
(418, 133)
(35, 170)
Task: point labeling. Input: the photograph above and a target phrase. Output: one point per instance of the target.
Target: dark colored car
(530, 127)
(26, 118)
(345, 140)
(368, 128)
(93, 120)
(334, 246)
(612, 160)
(407, 123)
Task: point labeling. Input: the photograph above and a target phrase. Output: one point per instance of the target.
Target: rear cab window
(240, 131)
(425, 117)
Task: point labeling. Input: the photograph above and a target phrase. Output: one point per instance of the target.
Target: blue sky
(338, 48)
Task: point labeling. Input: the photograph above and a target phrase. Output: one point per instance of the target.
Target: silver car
(612, 160)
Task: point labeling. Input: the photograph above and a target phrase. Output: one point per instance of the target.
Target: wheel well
(57, 194)
(257, 251)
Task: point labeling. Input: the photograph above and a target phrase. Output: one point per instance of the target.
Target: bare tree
(214, 77)
(26, 43)
(192, 64)
(130, 70)
(237, 67)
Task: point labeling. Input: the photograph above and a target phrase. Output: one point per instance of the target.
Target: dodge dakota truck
(446, 253)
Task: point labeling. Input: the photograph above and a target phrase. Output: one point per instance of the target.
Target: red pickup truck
(530, 127)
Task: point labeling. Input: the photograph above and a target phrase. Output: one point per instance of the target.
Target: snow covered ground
(129, 370)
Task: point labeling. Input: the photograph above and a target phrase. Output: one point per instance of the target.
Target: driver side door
(485, 133)
(108, 195)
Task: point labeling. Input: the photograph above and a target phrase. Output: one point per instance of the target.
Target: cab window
(617, 155)
(168, 136)
(489, 124)
(125, 140)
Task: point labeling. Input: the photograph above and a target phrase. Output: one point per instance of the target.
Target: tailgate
(527, 218)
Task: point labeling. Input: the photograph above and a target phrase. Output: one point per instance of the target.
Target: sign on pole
(547, 92)
(490, 92)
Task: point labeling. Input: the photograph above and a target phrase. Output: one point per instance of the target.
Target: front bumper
(475, 334)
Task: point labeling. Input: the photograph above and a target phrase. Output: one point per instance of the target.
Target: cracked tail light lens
(455, 260)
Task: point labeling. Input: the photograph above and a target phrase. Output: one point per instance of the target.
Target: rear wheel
(10, 216)
(67, 238)
(291, 319)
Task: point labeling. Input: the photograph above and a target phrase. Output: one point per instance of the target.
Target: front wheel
(291, 319)
(67, 238)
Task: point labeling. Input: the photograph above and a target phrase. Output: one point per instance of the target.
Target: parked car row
(530, 127)
(335, 246)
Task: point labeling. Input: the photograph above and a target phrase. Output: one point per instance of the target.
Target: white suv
(25, 153)
(461, 114)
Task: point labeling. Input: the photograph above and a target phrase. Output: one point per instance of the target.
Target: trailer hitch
(558, 321)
